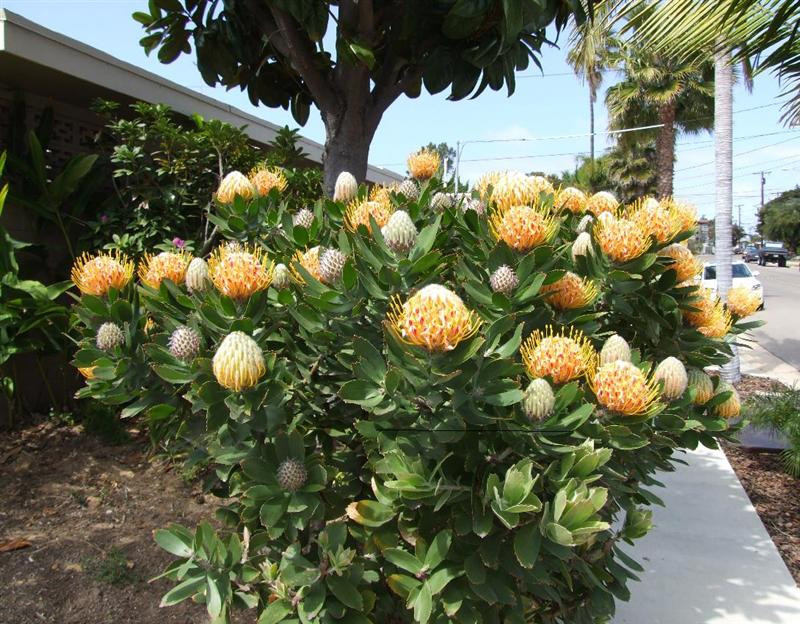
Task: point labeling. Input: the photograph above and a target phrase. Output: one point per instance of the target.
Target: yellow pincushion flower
(238, 363)
(239, 273)
(654, 220)
(743, 302)
(434, 318)
(570, 292)
(562, 357)
(571, 199)
(87, 372)
(522, 227)
(731, 407)
(423, 164)
(601, 202)
(96, 275)
(718, 325)
(540, 184)
(309, 260)
(622, 387)
(264, 179)
(359, 212)
(513, 188)
(169, 265)
(684, 214)
(685, 264)
(620, 239)
(487, 181)
(233, 184)
(709, 317)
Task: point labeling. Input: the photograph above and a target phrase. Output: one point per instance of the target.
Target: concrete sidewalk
(708, 560)
(760, 362)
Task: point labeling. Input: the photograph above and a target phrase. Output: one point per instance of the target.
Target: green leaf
(527, 542)
(173, 544)
(403, 559)
(423, 604)
(370, 513)
(363, 54)
(361, 392)
(438, 549)
(345, 592)
(184, 590)
(275, 612)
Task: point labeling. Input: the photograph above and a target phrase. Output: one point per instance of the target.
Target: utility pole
(763, 182)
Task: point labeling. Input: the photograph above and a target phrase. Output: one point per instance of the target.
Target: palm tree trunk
(665, 150)
(723, 201)
(592, 97)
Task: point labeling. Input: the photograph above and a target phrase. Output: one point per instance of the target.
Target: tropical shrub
(779, 412)
(31, 318)
(417, 413)
(165, 169)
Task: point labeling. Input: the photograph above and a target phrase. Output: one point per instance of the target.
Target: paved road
(781, 334)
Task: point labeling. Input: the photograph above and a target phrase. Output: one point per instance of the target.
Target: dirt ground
(775, 496)
(84, 512)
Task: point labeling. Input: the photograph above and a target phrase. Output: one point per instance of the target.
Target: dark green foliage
(779, 412)
(781, 218)
(430, 496)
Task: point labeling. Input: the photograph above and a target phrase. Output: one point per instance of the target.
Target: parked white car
(743, 277)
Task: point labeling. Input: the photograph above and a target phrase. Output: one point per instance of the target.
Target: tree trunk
(347, 141)
(665, 150)
(592, 96)
(723, 200)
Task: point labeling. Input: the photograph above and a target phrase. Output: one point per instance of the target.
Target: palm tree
(589, 46)
(661, 89)
(631, 169)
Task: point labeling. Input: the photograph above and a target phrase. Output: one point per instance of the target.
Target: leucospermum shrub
(416, 412)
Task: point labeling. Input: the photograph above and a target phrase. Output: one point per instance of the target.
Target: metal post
(458, 165)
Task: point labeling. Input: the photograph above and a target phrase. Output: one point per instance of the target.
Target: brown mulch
(750, 384)
(76, 529)
(775, 496)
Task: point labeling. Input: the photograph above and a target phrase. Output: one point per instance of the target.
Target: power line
(757, 166)
(755, 149)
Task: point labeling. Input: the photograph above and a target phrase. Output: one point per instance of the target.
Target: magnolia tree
(281, 53)
(417, 406)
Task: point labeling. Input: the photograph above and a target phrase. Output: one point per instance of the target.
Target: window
(738, 270)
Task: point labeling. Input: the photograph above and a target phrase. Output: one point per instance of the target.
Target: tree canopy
(781, 218)
(282, 54)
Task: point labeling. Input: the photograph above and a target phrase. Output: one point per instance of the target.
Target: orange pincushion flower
(622, 387)
(96, 275)
(540, 184)
(685, 264)
(239, 272)
(423, 164)
(165, 265)
(654, 220)
(718, 325)
(87, 372)
(570, 292)
(265, 179)
(522, 227)
(743, 302)
(309, 260)
(434, 318)
(572, 199)
(562, 357)
(684, 214)
(620, 239)
(601, 202)
(359, 212)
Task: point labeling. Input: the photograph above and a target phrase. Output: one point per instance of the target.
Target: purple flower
(104, 218)
(179, 242)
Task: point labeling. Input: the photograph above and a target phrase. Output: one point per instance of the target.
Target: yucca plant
(442, 414)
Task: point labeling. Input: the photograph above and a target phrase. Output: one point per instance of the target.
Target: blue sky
(552, 105)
